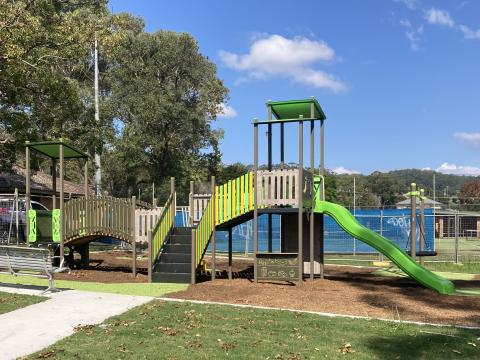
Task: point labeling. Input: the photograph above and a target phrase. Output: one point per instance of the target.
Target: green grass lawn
(165, 330)
(10, 302)
(144, 289)
(466, 267)
(465, 245)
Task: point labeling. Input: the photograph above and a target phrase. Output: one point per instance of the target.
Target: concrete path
(35, 327)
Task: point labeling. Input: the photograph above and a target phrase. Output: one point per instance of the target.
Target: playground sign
(277, 266)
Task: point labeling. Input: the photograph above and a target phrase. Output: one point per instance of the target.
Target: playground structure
(297, 195)
(176, 254)
(77, 222)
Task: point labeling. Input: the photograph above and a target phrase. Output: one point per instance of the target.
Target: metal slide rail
(99, 216)
(164, 226)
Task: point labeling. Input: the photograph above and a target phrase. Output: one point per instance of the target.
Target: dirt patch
(345, 290)
(109, 267)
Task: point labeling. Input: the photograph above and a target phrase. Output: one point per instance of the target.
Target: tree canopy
(159, 94)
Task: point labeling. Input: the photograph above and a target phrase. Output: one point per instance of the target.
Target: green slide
(348, 223)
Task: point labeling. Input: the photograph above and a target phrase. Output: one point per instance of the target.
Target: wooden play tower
(177, 253)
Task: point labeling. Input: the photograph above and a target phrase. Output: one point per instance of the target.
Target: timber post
(150, 256)
(134, 242)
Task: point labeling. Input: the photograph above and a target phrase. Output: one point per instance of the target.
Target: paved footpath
(35, 327)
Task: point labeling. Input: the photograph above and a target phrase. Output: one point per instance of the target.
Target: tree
(158, 97)
(330, 187)
(469, 195)
(164, 96)
(229, 172)
(44, 53)
(387, 188)
(363, 196)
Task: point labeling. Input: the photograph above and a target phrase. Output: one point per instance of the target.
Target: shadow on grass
(28, 287)
(423, 346)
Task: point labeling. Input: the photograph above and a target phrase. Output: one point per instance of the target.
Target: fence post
(214, 245)
(413, 222)
(422, 224)
(150, 255)
(457, 225)
(173, 206)
(381, 232)
(27, 192)
(134, 242)
(191, 203)
(194, 261)
(15, 206)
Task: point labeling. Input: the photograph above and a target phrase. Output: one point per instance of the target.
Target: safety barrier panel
(204, 230)
(164, 225)
(99, 215)
(145, 220)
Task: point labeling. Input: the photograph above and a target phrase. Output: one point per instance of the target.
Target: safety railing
(234, 198)
(203, 231)
(164, 226)
(198, 203)
(99, 215)
(145, 220)
(280, 187)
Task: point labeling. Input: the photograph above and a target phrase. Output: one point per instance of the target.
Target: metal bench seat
(36, 262)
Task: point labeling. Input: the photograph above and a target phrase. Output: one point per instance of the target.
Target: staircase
(174, 264)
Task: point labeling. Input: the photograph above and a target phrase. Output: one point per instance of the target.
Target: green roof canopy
(52, 149)
(293, 109)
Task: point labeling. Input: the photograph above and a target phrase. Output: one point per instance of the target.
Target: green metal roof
(294, 109)
(52, 149)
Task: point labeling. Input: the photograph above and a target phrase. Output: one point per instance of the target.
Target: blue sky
(399, 80)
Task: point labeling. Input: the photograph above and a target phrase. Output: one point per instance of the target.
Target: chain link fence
(11, 220)
(449, 237)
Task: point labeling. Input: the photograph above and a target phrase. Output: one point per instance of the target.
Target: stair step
(178, 248)
(166, 258)
(180, 239)
(182, 230)
(182, 278)
(172, 267)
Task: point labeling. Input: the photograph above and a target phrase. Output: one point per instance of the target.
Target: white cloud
(227, 112)
(275, 55)
(411, 4)
(469, 138)
(435, 16)
(439, 17)
(340, 170)
(447, 168)
(469, 33)
(412, 34)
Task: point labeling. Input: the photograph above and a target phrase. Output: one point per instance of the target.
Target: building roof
(41, 183)
(428, 203)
